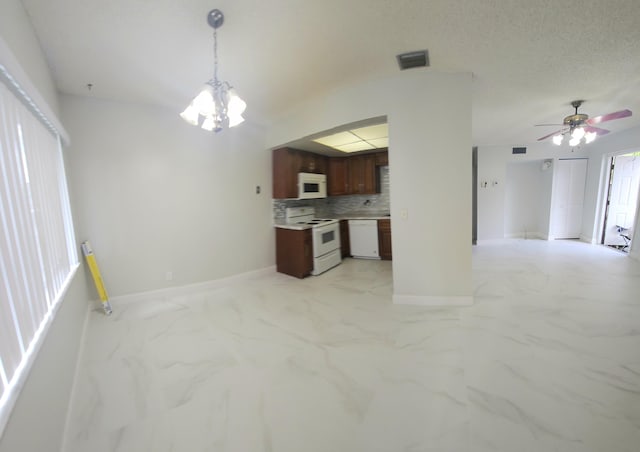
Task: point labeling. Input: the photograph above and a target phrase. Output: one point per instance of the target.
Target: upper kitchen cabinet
(382, 158)
(312, 163)
(355, 175)
(363, 174)
(287, 163)
(338, 177)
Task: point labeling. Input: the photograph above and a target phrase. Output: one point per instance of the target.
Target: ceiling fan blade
(544, 125)
(597, 130)
(550, 135)
(608, 117)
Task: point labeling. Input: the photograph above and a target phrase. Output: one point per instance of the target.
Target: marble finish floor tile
(548, 358)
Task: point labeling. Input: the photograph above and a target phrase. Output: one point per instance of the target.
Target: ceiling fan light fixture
(557, 139)
(580, 128)
(578, 133)
(590, 136)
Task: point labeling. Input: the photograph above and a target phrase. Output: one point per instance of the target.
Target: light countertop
(345, 216)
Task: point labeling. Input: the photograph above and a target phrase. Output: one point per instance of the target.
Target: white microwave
(312, 186)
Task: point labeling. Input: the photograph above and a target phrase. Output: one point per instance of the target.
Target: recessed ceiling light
(355, 147)
(337, 139)
(360, 139)
(372, 132)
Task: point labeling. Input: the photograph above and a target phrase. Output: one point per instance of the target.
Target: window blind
(38, 256)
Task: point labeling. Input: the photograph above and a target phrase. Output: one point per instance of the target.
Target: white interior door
(623, 199)
(567, 198)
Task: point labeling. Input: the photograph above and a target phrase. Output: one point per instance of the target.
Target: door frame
(603, 194)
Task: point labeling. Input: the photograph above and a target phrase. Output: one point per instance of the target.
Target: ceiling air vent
(519, 150)
(419, 58)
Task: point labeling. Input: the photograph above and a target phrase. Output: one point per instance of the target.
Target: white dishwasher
(363, 238)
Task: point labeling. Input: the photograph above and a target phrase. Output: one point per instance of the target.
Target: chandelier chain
(215, 57)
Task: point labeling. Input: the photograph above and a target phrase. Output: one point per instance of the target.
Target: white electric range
(325, 235)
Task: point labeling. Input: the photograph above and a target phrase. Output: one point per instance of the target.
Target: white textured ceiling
(529, 58)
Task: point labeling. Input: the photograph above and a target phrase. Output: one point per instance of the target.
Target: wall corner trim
(433, 301)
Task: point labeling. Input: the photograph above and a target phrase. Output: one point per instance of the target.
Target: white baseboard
(435, 301)
(194, 288)
(527, 236)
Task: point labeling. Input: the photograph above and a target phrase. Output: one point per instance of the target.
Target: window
(38, 257)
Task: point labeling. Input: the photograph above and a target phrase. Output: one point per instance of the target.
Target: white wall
(525, 192)
(545, 197)
(492, 175)
(18, 34)
(429, 116)
(157, 195)
(492, 200)
(43, 401)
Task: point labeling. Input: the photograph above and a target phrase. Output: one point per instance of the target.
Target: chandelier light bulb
(236, 105)
(235, 120)
(557, 139)
(190, 114)
(204, 102)
(574, 141)
(208, 123)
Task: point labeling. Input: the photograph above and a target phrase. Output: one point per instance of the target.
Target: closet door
(567, 199)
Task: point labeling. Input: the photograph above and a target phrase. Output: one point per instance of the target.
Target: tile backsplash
(340, 205)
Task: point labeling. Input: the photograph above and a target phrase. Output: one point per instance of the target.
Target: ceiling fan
(579, 126)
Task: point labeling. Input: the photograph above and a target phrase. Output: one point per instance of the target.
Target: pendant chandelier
(218, 105)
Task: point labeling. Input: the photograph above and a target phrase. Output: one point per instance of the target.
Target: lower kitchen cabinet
(294, 252)
(384, 239)
(344, 238)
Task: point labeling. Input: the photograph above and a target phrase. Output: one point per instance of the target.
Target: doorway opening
(621, 201)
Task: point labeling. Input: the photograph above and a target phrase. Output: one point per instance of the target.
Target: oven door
(326, 239)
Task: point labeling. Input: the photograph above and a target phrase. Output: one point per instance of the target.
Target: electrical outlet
(404, 214)
(257, 189)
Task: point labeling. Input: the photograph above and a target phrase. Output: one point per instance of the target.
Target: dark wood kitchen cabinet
(382, 158)
(384, 239)
(338, 177)
(363, 174)
(287, 163)
(345, 245)
(312, 163)
(294, 252)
